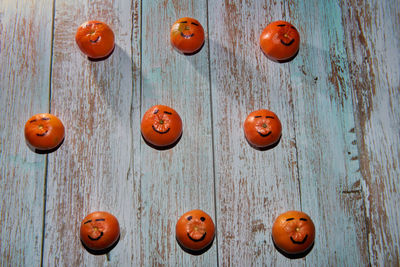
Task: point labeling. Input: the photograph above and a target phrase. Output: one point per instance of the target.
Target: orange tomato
(293, 232)
(262, 128)
(187, 35)
(44, 131)
(99, 230)
(95, 39)
(161, 126)
(195, 230)
(280, 40)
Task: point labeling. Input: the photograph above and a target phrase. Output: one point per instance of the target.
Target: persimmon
(99, 230)
(280, 40)
(187, 35)
(95, 39)
(195, 230)
(161, 126)
(44, 131)
(293, 232)
(262, 128)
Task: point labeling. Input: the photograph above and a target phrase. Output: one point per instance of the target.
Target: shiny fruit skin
(99, 230)
(44, 131)
(95, 39)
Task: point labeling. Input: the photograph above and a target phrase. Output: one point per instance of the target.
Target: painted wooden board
(25, 51)
(95, 167)
(330, 181)
(338, 159)
(179, 179)
(371, 31)
(252, 187)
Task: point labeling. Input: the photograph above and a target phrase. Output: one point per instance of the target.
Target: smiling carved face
(195, 230)
(99, 230)
(262, 128)
(293, 232)
(161, 126)
(95, 39)
(187, 35)
(280, 40)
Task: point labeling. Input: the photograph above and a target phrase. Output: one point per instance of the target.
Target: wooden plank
(179, 179)
(372, 30)
(95, 169)
(253, 187)
(25, 48)
(330, 186)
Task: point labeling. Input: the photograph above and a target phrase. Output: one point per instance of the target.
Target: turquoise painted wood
(25, 54)
(252, 186)
(337, 160)
(179, 179)
(371, 28)
(330, 180)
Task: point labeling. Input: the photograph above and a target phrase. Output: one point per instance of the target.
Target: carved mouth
(160, 132)
(299, 242)
(42, 134)
(287, 44)
(264, 135)
(96, 40)
(197, 240)
(95, 239)
(187, 36)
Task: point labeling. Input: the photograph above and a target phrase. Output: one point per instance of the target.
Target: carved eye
(257, 116)
(303, 219)
(195, 24)
(155, 111)
(166, 112)
(289, 219)
(202, 219)
(189, 218)
(87, 222)
(98, 220)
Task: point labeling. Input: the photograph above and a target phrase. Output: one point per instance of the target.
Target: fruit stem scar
(264, 125)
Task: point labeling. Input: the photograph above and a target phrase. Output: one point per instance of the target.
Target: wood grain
(179, 179)
(372, 30)
(337, 160)
(25, 46)
(253, 187)
(330, 181)
(95, 167)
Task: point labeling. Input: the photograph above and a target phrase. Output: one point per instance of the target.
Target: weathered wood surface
(337, 160)
(25, 53)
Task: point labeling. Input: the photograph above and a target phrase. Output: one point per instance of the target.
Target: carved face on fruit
(195, 230)
(262, 128)
(187, 35)
(161, 126)
(280, 40)
(95, 39)
(293, 232)
(99, 230)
